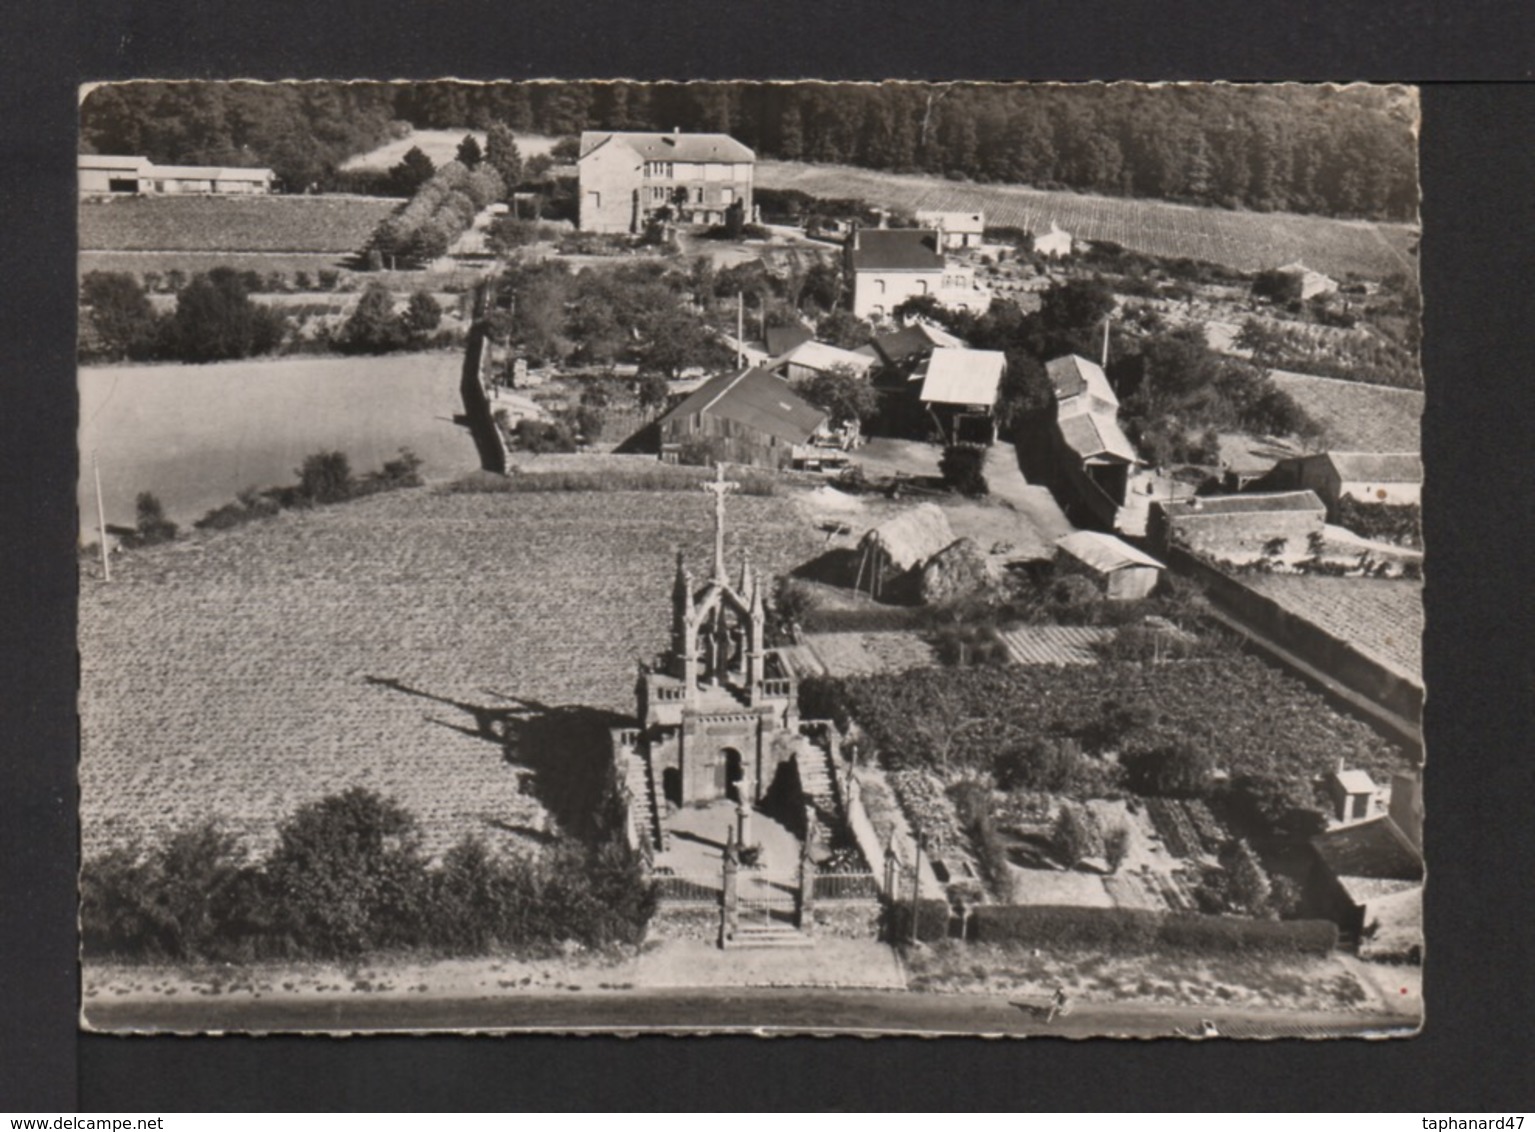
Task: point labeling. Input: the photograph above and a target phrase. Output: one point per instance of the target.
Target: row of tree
(1335, 151)
(441, 210)
(348, 877)
(215, 319)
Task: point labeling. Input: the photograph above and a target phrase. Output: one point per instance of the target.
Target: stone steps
(768, 936)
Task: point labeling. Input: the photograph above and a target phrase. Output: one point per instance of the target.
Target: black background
(1477, 263)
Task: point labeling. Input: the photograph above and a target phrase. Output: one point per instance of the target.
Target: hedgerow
(1129, 930)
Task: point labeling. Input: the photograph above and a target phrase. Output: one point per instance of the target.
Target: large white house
(887, 266)
(625, 176)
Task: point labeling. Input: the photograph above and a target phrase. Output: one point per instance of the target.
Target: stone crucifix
(719, 487)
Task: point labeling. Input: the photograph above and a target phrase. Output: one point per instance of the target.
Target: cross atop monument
(719, 487)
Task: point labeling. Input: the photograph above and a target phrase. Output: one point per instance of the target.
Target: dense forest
(1337, 152)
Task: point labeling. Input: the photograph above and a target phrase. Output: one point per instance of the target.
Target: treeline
(440, 211)
(347, 878)
(1337, 152)
(215, 319)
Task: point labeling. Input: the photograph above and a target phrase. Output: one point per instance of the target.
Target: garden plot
(459, 652)
(310, 224)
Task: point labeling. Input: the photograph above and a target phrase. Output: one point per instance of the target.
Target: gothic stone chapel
(719, 740)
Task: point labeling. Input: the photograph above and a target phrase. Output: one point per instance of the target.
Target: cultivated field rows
(1247, 241)
(1359, 417)
(385, 644)
(232, 224)
(1382, 617)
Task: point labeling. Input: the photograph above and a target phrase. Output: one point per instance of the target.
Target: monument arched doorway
(729, 770)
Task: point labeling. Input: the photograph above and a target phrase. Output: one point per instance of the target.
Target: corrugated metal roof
(1104, 552)
(1378, 467)
(781, 339)
(956, 376)
(1355, 781)
(821, 356)
(654, 146)
(1054, 644)
(1246, 503)
(757, 399)
(1072, 376)
(1095, 433)
(110, 161)
(896, 249)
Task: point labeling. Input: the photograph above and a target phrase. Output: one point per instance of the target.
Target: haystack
(959, 570)
(895, 550)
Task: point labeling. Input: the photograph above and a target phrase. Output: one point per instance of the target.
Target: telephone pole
(101, 519)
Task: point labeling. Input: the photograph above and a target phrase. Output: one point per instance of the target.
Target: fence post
(805, 901)
(728, 904)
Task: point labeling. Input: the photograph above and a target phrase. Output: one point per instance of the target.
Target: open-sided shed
(1120, 570)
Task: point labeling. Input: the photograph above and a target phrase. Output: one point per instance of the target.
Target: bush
(1075, 836)
(961, 466)
(973, 803)
(542, 436)
(1133, 930)
(215, 320)
(249, 506)
(152, 526)
(1116, 844)
(932, 920)
(1178, 770)
(326, 477)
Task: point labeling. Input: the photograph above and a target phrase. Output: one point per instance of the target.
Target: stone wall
(847, 919)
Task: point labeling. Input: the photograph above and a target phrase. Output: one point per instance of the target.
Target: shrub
(973, 803)
(1177, 770)
(1074, 836)
(1133, 930)
(1047, 764)
(1116, 844)
(543, 436)
(249, 506)
(961, 466)
(1248, 884)
(215, 320)
(326, 477)
(120, 314)
(931, 916)
(152, 527)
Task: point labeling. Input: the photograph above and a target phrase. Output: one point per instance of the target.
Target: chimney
(676, 129)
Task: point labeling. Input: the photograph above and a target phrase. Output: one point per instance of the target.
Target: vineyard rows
(380, 644)
(244, 224)
(1246, 241)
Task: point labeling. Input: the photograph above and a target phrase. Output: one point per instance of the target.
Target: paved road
(754, 1010)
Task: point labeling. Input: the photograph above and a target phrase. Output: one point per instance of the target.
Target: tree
(326, 477)
(1070, 314)
(1178, 770)
(502, 154)
(842, 393)
(735, 219)
(152, 526)
(372, 327)
(423, 314)
(215, 320)
(469, 154)
(120, 313)
(413, 170)
(347, 874)
(651, 390)
(1247, 884)
(1072, 838)
(844, 328)
(961, 466)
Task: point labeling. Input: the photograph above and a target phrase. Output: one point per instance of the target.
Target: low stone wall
(685, 921)
(847, 919)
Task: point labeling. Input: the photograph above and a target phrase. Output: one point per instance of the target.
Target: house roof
(656, 146)
(896, 249)
(1103, 552)
(1093, 433)
(899, 345)
(110, 161)
(913, 536)
(957, 376)
(1375, 849)
(781, 339)
(1354, 781)
(210, 172)
(1073, 375)
(756, 399)
(953, 221)
(1377, 467)
(1248, 502)
(821, 356)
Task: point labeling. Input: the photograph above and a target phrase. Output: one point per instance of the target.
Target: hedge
(932, 920)
(1135, 929)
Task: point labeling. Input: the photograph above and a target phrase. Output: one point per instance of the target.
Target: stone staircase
(767, 935)
(641, 784)
(815, 777)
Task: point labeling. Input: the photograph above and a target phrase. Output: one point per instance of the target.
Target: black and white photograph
(751, 557)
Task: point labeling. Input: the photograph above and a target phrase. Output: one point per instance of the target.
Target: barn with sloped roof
(747, 417)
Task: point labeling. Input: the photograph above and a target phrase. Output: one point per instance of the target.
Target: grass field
(384, 643)
(1246, 241)
(333, 224)
(441, 146)
(1359, 417)
(189, 263)
(198, 435)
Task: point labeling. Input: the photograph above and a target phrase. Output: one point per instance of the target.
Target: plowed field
(384, 643)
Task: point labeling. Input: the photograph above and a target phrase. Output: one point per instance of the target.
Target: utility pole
(740, 329)
(1105, 362)
(101, 519)
(916, 890)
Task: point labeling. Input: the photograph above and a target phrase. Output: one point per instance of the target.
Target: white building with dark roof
(626, 176)
(887, 266)
(1366, 477)
(112, 175)
(959, 229)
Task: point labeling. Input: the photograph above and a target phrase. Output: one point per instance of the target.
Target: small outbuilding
(1055, 244)
(1394, 478)
(809, 358)
(1352, 793)
(891, 556)
(750, 417)
(1121, 571)
(1368, 877)
(960, 389)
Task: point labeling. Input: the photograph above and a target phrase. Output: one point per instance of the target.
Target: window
(921, 286)
(728, 196)
(879, 286)
(698, 195)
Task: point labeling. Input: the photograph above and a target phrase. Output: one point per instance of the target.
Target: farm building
(106, 175)
(809, 358)
(959, 390)
(1093, 457)
(1309, 283)
(782, 339)
(1055, 244)
(887, 266)
(958, 229)
(1119, 570)
(1237, 528)
(1368, 877)
(891, 556)
(750, 417)
(1367, 477)
(903, 348)
(625, 177)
